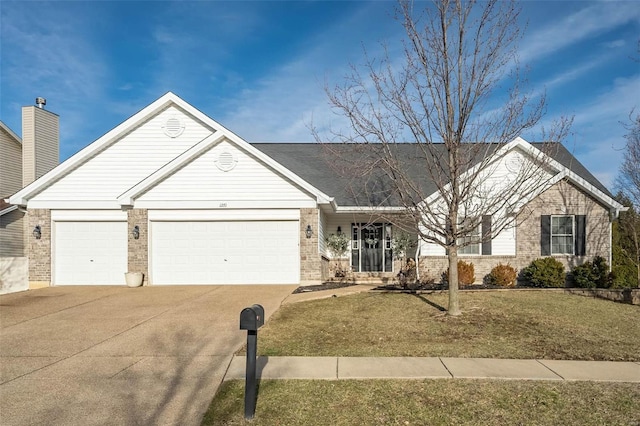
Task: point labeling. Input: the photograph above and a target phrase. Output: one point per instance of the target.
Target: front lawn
(429, 402)
(508, 324)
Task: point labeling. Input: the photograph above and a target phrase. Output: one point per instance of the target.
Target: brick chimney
(40, 141)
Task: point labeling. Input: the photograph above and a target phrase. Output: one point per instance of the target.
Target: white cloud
(48, 57)
(571, 29)
(615, 104)
(599, 135)
(614, 44)
(282, 105)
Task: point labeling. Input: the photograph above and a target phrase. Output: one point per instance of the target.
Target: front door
(371, 247)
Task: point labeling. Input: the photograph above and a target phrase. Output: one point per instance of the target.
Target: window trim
(572, 235)
(476, 234)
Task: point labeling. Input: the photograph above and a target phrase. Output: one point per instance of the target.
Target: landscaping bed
(323, 286)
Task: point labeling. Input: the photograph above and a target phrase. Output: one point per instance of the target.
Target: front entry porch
(371, 247)
(368, 256)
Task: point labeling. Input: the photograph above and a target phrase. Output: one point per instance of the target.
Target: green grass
(512, 324)
(429, 402)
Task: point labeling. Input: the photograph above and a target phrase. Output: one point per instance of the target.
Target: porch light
(339, 230)
(135, 232)
(308, 232)
(37, 232)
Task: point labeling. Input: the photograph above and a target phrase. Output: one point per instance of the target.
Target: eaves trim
(8, 210)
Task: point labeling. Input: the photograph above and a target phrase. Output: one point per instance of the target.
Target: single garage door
(87, 253)
(225, 252)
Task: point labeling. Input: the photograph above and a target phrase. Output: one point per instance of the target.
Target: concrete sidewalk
(343, 368)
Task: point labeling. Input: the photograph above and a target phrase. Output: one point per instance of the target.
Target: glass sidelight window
(371, 247)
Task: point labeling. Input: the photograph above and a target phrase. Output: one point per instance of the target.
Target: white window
(472, 241)
(562, 234)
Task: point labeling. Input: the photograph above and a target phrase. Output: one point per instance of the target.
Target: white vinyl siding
(127, 161)
(225, 252)
(89, 253)
(504, 244)
(203, 180)
(322, 225)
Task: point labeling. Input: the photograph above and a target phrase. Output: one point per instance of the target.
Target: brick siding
(310, 261)
(562, 198)
(39, 251)
(138, 252)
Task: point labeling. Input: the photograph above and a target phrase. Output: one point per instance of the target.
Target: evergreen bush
(544, 272)
(593, 274)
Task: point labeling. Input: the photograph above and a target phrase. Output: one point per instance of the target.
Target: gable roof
(316, 168)
(562, 155)
(316, 163)
(218, 131)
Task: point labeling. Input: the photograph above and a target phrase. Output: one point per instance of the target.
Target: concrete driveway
(117, 355)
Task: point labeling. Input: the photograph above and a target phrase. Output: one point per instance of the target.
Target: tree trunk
(454, 306)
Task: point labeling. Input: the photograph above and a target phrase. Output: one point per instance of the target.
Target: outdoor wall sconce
(37, 232)
(135, 232)
(308, 232)
(339, 230)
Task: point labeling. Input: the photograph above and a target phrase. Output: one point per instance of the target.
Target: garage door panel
(88, 253)
(219, 252)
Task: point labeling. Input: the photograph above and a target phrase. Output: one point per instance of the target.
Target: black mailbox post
(251, 319)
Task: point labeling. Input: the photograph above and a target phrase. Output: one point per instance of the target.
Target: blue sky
(259, 68)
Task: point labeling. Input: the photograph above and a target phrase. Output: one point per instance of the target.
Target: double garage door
(248, 252)
(181, 252)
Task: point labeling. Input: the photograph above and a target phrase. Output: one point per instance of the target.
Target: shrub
(466, 273)
(625, 276)
(544, 272)
(339, 246)
(593, 274)
(503, 275)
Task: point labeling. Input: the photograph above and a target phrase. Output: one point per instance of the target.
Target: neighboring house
(11, 230)
(21, 162)
(173, 194)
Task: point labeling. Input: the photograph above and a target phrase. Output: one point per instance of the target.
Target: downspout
(418, 258)
(611, 245)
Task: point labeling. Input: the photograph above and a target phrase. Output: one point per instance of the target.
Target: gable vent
(226, 161)
(173, 127)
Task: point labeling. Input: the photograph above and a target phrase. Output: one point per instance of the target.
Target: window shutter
(581, 235)
(545, 235)
(486, 235)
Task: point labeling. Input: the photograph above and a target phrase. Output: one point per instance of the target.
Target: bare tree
(628, 184)
(459, 61)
